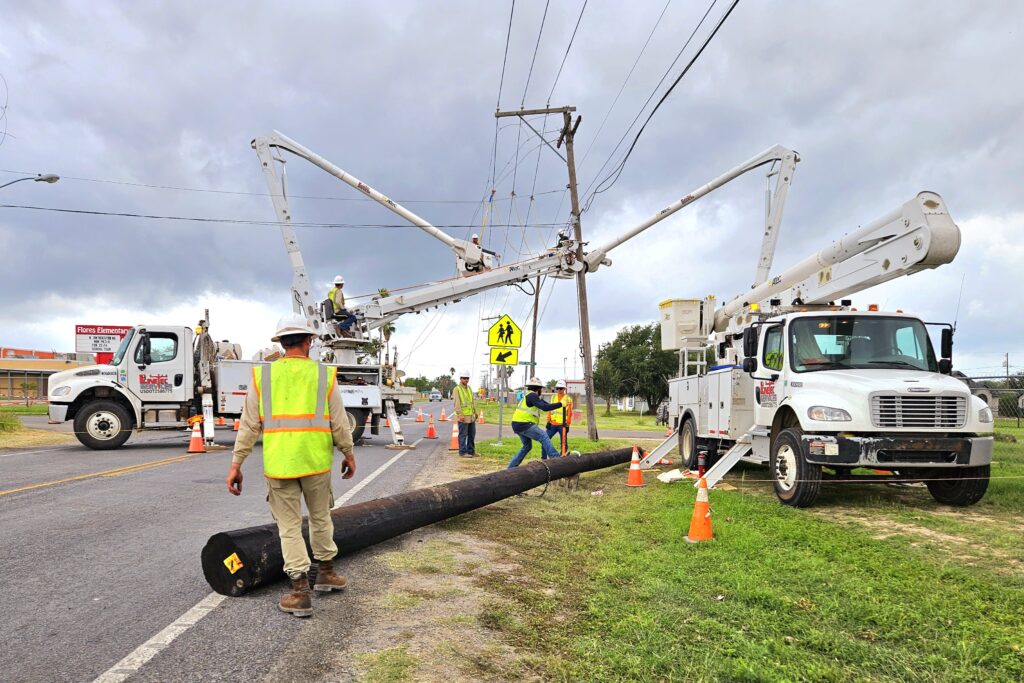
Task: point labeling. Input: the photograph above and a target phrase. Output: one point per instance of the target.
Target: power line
(248, 194)
(566, 55)
(536, 47)
(239, 221)
(612, 178)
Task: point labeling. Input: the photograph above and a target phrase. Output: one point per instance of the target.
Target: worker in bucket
(295, 402)
(342, 314)
(559, 420)
(476, 239)
(526, 423)
(465, 410)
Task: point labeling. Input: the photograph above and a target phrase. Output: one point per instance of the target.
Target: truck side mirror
(750, 342)
(750, 365)
(145, 348)
(945, 366)
(947, 343)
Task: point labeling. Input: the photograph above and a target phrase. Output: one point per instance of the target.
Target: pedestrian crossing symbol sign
(501, 356)
(505, 334)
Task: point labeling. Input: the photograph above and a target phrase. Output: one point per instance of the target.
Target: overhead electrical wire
(569, 47)
(240, 221)
(613, 177)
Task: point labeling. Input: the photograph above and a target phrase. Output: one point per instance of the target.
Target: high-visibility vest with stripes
(466, 405)
(526, 414)
(555, 416)
(293, 395)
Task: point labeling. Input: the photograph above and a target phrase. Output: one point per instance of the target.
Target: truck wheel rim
(785, 467)
(352, 421)
(103, 425)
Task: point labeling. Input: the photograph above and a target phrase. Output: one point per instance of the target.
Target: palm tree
(386, 330)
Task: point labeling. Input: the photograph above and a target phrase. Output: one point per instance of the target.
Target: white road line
(152, 647)
(373, 475)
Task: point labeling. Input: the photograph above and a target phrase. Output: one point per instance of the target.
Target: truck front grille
(895, 410)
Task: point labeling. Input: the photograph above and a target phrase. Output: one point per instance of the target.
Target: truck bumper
(58, 412)
(898, 452)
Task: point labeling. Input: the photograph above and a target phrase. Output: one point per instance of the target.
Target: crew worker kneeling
(296, 403)
(526, 423)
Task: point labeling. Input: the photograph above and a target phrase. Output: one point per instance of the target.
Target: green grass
(387, 666)
(607, 589)
(490, 450)
(9, 423)
(617, 420)
(22, 409)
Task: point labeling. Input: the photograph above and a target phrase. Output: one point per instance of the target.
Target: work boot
(299, 602)
(326, 578)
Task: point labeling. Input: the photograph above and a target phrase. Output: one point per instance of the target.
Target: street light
(40, 178)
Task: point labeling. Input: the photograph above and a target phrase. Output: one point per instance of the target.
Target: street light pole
(40, 178)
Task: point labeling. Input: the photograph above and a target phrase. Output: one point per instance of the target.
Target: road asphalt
(101, 554)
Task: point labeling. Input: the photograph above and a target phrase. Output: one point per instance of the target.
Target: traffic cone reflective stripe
(443, 418)
(453, 445)
(238, 424)
(419, 416)
(700, 523)
(636, 475)
(195, 444)
(431, 432)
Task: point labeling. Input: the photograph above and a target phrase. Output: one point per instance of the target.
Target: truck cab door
(157, 366)
(768, 383)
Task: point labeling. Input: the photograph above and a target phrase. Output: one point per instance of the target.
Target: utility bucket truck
(791, 375)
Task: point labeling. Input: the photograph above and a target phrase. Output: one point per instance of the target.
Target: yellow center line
(106, 473)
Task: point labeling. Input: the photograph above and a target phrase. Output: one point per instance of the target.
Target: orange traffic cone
(238, 424)
(368, 418)
(480, 420)
(636, 475)
(387, 422)
(443, 418)
(662, 462)
(221, 421)
(195, 444)
(668, 431)
(700, 523)
(453, 445)
(431, 432)
(419, 416)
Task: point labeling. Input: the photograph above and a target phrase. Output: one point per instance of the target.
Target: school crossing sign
(504, 337)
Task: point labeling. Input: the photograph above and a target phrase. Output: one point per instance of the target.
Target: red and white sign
(99, 338)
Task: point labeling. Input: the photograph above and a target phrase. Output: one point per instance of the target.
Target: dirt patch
(33, 438)
(431, 619)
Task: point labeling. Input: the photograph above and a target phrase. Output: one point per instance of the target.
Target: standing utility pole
(568, 133)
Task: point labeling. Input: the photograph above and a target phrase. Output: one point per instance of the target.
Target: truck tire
(357, 421)
(688, 445)
(960, 487)
(796, 481)
(103, 425)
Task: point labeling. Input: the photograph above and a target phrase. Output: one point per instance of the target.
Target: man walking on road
(559, 420)
(295, 402)
(526, 423)
(465, 409)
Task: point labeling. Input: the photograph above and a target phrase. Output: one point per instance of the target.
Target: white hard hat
(464, 373)
(560, 384)
(292, 324)
(476, 236)
(534, 382)
(339, 280)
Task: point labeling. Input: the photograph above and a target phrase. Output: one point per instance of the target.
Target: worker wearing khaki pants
(295, 402)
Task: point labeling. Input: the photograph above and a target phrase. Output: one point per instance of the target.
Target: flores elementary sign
(99, 339)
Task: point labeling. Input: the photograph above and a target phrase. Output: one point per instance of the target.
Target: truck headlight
(65, 390)
(985, 415)
(826, 414)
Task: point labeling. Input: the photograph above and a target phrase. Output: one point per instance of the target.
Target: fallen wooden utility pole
(236, 562)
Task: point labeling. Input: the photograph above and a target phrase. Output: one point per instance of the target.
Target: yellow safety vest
(526, 414)
(466, 400)
(338, 305)
(296, 417)
(555, 416)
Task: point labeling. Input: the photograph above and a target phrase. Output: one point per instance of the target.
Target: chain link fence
(1004, 395)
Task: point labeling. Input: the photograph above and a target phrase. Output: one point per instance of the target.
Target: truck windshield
(119, 354)
(862, 342)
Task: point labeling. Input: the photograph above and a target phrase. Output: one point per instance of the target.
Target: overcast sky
(881, 100)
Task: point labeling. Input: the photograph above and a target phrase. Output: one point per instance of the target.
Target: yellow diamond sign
(505, 334)
(504, 356)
